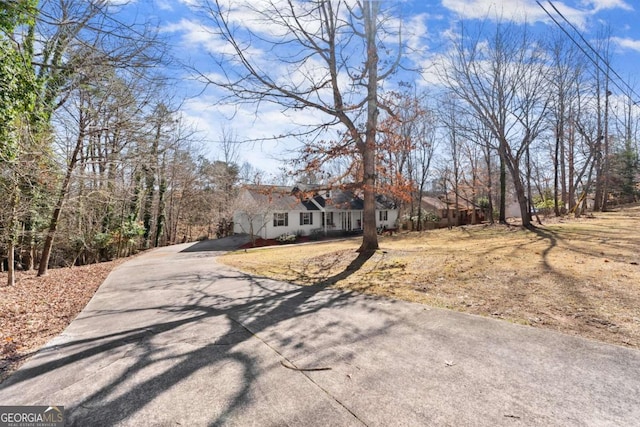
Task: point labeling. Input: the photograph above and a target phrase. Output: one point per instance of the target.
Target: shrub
(427, 216)
(287, 238)
(430, 216)
(316, 234)
(544, 206)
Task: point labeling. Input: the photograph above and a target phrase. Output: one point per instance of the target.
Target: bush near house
(287, 238)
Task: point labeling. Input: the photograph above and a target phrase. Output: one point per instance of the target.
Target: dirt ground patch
(577, 276)
(37, 309)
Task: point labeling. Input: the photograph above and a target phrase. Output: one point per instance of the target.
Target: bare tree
(80, 41)
(322, 56)
(564, 79)
(423, 135)
(601, 156)
(450, 116)
(182, 178)
(253, 212)
(501, 78)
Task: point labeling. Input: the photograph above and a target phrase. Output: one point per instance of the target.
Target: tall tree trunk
(134, 205)
(597, 203)
(11, 262)
(513, 165)
(571, 191)
(522, 201)
(11, 243)
(563, 171)
(62, 194)
(605, 162)
(32, 248)
(456, 177)
(556, 172)
(529, 193)
(161, 212)
(148, 205)
(151, 171)
(490, 190)
(503, 186)
(489, 163)
(370, 236)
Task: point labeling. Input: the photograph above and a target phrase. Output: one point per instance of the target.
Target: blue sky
(428, 24)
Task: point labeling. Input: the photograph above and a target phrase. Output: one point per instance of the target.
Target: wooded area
(96, 161)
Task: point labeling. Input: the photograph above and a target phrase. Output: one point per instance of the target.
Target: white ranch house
(272, 211)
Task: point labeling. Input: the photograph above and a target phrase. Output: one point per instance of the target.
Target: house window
(327, 218)
(280, 219)
(306, 218)
(384, 215)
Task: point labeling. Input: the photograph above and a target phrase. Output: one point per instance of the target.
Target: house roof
(433, 202)
(383, 202)
(282, 198)
(344, 200)
(436, 203)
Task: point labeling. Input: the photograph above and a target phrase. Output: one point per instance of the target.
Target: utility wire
(629, 90)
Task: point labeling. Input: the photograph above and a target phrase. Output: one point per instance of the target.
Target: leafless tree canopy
(325, 57)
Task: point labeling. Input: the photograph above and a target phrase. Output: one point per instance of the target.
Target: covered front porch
(343, 221)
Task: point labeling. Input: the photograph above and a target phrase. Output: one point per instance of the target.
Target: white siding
(293, 225)
(265, 229)
(241, 224)
(390, 222)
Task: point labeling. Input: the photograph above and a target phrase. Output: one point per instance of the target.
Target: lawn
(577, 276)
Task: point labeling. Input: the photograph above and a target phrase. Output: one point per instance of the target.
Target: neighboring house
(446, 211)
(271, 211)
(436, 206)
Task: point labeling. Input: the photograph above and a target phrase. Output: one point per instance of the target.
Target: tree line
(505, 111)
(97, 162)
(95, 159)
(518, 117)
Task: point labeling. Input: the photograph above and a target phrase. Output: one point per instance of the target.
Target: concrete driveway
(173, 338)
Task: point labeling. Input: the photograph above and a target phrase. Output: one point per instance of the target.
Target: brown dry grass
(580, 276)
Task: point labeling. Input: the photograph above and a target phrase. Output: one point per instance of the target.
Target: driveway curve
(174, 338)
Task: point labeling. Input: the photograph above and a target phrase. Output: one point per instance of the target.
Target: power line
(629, 90)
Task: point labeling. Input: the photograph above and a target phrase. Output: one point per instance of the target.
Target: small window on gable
(383, 215)
(281, 219)
(306, 218)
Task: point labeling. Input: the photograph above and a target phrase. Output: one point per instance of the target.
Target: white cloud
(209, 120)
(164, 5)
(599, 5)
(193, 31)
(432, 68)
(415, 31)
(263, 129)
(627, 43)
(266, 17)
(195, 36)
(516, 10)
(519, 11)
(191, 3)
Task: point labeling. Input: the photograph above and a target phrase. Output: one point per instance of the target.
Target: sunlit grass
(578, 276)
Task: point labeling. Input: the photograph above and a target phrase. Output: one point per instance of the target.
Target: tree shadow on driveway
(150, 347)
